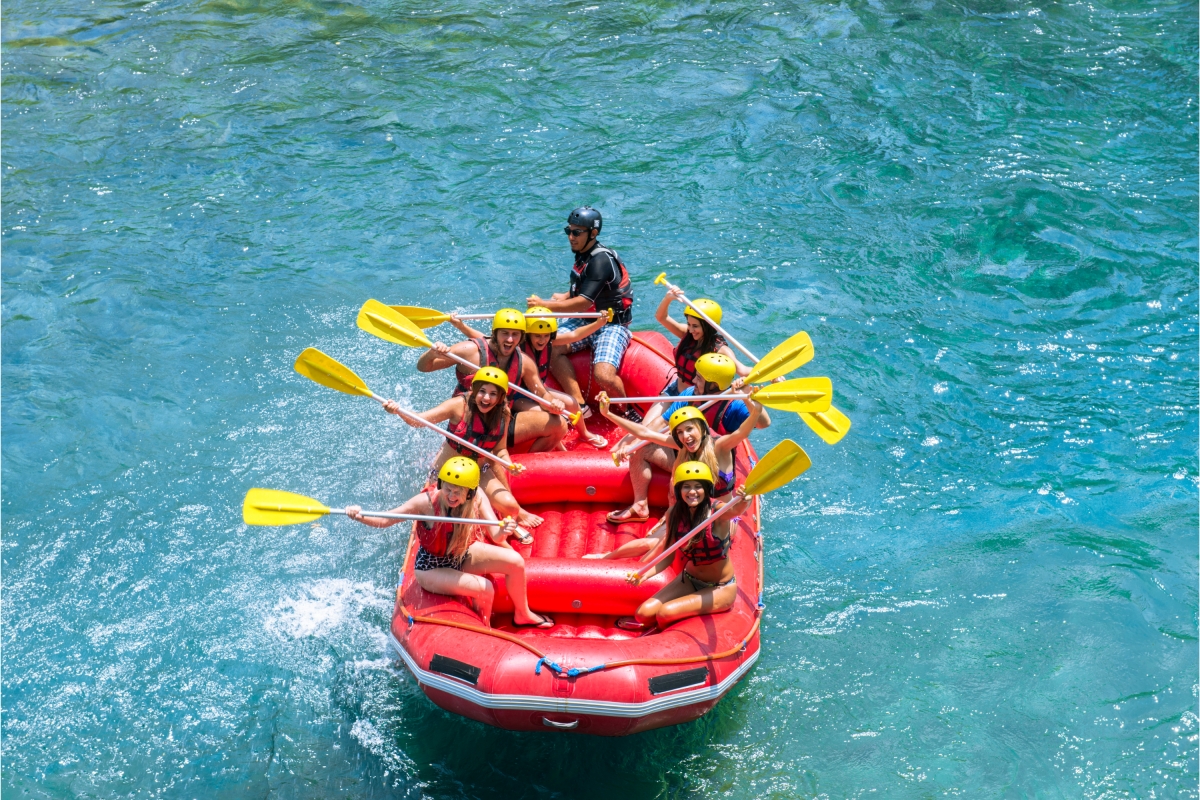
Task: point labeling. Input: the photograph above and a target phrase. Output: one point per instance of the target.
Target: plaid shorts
(607, 344)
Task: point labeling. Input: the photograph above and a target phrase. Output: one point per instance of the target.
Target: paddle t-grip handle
(662, 279)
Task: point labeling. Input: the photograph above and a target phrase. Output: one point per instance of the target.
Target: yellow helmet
(693, 471)
(717, 368)
(684, 414)
(509, 318)
(460, 471)
(492, 375)
(543, 325)
(709, 307)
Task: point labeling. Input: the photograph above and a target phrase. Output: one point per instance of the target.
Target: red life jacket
(686, 353)
(478, 435)
(434, 537)
(487, 359)
(541, 360)
(715, 414)
(704, 548)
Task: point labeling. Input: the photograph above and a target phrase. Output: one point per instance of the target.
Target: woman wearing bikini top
(453, 559)
(482, 418)
(707, 584)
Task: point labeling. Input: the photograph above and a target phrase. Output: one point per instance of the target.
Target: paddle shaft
(706, 318)
(422, 517)
(539, 400)
(686, 398)
(728, 338)
(564, 315)
(685, 538)
(448, 434)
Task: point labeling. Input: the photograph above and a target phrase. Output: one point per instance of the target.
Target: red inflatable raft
(584, 674)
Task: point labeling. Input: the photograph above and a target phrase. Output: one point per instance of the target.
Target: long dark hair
(682, 511)
(493, 419)
(710, 341)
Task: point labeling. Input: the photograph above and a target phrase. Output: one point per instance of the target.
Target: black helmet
(585, 217)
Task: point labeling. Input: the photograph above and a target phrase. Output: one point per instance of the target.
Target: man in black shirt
(598, 282)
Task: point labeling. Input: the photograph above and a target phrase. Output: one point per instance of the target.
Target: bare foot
(529, 520)
(596, 440)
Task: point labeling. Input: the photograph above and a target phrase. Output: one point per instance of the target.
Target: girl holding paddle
(452, 558)
(706, 585)
(691, 437)
(545, 346)
(481, 417)
(696, 338)
(502, 350)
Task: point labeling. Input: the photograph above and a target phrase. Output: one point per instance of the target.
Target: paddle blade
(316, 366)
(421, 317)
(271, 507)
(798, 394)
(784, 462)
(831, 425)
(792, 354)
(377, 319)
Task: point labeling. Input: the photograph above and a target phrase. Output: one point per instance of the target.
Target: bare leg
(544, 429)
(594, 439)
(609, 380)
(640, 474)
(634, 548)
(648, 611)
(564, 372)
(459, 584)
(705, 601)
(503, 501)
(484, 558)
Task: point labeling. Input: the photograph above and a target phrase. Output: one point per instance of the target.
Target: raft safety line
(563, 705)
(669, 359)
(574, 672)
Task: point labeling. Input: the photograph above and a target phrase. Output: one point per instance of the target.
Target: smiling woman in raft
(710, 436)
(706, 585)
(454, 559)
(546, 346)
(481, 417)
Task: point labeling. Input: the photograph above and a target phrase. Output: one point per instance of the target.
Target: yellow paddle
(379, 320)
(831, 424)
(273, 507)
(431, 317)
(792, 353)
(318, 367)
(798, 394)
(662, 279)
(782, 464)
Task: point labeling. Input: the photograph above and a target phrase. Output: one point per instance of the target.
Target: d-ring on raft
(584, 675)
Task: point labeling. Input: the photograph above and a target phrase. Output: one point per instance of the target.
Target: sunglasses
(569, 231)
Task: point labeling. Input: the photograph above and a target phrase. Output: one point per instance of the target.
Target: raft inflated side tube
(580, 476)
(582, 586)
(643, 371)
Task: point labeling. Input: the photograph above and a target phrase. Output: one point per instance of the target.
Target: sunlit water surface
(984, 214)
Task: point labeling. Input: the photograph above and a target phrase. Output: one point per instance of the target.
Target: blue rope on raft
(573, 672)
(761, 604)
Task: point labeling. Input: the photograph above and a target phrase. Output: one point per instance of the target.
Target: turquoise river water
(984, 213)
